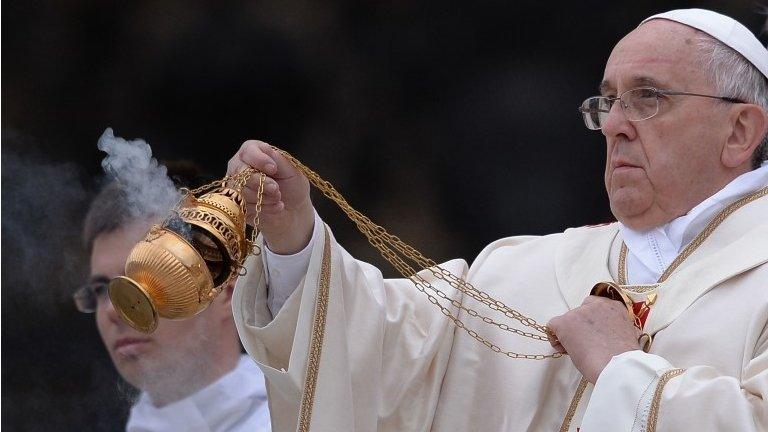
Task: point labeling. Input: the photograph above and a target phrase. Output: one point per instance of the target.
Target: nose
(617, 124)
(110, 312)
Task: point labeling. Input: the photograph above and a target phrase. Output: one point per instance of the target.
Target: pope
(683, 106)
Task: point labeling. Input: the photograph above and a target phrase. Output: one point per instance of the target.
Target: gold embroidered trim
(653, 416)
(639, 289)
(714, 223)
(574, 404)
(318, 333)
(623, 264)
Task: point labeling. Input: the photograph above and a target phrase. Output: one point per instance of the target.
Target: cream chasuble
(351, 351)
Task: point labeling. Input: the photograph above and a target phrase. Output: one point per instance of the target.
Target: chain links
(402, 257)
(398, 254)
(255, 249)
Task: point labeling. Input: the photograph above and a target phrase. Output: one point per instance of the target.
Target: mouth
(130, 346)
(619, 164)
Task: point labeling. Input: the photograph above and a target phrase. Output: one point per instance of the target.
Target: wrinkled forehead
(659, 53)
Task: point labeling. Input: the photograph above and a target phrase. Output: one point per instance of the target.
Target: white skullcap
(723, 28)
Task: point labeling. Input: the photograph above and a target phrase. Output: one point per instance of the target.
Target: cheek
(677, 152)
(173, 334)
(670, 169)
(607, 173)
(659, 151)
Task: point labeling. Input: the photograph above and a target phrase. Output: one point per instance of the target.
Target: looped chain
(404, 258)
(255, 249)
(238, 181)
(400, 254)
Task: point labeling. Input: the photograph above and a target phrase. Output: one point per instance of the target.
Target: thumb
(285, 168)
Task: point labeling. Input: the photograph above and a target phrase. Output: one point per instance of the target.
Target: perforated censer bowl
(164, 277)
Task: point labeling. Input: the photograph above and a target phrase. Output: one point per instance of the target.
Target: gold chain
(399, 254)
(255, 249)
(237, 182)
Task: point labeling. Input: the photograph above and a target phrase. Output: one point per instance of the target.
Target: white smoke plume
(149, 191)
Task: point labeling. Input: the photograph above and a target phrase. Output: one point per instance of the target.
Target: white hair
(734, 76)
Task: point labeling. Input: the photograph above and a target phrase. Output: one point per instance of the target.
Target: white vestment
(351, 351)
(236, 402)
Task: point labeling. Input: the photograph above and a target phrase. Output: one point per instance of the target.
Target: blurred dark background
(451, 125)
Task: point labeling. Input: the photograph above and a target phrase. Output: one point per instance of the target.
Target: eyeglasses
(88, 297)
(638, 104)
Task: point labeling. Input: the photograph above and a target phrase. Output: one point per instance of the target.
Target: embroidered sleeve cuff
(622, 396)
(284, 272)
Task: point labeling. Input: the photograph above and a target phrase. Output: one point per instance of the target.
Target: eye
(100, 289)
(647, 93)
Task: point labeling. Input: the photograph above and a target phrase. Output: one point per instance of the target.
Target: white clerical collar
(229, 402)
(652, 251)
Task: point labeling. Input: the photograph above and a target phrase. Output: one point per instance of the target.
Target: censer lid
(133, 304)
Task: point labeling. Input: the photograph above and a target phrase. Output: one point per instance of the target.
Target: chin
(631, 210)
(131, 373)
(126, 364)
(637, 224)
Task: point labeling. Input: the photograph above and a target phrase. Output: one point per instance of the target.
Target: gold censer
(181, 265)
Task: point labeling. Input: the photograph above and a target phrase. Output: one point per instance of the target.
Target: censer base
(133, 304)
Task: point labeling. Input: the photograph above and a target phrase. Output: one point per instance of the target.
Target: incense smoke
(43, 205)
(149, 192)
(146, 188)
(44, 202)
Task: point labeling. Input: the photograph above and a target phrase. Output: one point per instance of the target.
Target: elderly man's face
(177, 353)
(660, 168)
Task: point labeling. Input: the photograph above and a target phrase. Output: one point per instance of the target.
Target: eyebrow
(637, 80)
(99, 278)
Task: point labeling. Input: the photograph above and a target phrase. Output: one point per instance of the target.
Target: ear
(750, 123)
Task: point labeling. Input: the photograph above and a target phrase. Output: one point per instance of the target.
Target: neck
(716, 198)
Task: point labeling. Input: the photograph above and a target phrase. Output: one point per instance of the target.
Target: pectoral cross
(641, 309)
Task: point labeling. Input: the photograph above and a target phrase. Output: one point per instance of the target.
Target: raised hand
(287, 216)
